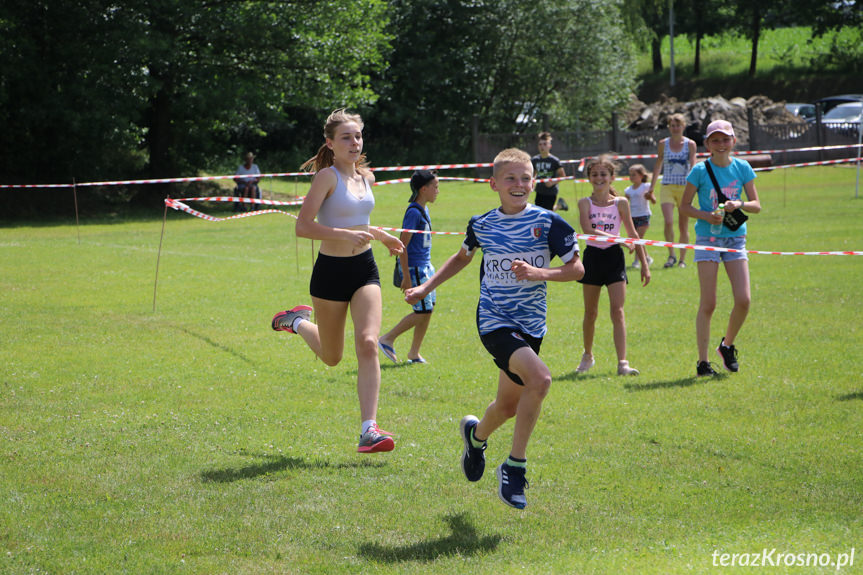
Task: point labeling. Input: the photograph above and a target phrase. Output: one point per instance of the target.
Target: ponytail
(323, 159)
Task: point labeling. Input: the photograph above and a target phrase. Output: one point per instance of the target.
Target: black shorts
(502, 343)
(546, 201)
(603, 267)
(337, 279)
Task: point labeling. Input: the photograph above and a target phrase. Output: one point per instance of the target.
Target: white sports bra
(342, 209)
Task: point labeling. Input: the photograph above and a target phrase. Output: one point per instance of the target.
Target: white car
(844, 118)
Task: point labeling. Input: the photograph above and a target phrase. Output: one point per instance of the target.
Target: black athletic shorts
(337, 279)
(603, 267)
(502, 343)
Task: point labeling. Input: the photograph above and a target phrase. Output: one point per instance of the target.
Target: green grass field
(194, 439)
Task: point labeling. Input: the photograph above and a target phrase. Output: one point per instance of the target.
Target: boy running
(518, 241)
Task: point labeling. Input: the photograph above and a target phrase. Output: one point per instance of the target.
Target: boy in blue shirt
(518, 241)
(416, 268)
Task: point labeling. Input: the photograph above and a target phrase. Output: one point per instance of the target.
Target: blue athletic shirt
(731, 180)
(533, 235)
(419, 248)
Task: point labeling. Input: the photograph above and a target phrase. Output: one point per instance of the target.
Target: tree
(507, 61)
(213, 66)
(647, 23)
(91, 87)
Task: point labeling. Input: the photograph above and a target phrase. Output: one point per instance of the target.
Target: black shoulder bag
(397, 270)
(731, 220)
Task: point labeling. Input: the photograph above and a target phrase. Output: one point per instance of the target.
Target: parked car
(805, 111)
(844, 118)
(831, 102)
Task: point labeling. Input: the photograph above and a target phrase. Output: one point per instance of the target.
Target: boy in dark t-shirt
(545, 165)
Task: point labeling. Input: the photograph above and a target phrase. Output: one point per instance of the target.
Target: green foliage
(184, 81)
(197, 440)
(511, 63)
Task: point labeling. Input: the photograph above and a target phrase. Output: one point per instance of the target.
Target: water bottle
(716, 229)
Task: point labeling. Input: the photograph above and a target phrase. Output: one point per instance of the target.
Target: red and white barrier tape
(244, 200)
(578, 161)
(179, 205)
(581, 161)
(633, 241)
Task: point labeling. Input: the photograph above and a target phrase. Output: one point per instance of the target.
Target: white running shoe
(587, 362)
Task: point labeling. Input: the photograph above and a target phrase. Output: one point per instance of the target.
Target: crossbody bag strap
(422, 213)
(722, 197)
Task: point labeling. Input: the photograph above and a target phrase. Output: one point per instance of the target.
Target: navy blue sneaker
(512, 485)
(473, 458)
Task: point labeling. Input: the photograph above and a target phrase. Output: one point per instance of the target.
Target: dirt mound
(699, 113)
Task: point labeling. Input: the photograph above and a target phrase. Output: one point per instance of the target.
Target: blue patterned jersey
(533, 235)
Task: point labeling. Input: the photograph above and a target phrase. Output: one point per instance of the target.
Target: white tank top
(342, 209)
(675, 164)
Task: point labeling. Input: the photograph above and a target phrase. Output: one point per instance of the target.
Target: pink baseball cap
(720, 126)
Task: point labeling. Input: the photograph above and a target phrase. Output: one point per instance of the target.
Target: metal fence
(774, 138)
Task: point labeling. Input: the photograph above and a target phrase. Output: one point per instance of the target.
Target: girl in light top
(735, 178)
(345, 274)
(603, 213)
(638, 195)
(675, 157)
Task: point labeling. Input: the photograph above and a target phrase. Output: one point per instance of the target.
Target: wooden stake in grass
(159, 255)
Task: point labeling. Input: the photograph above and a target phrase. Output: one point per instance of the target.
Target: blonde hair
(603, 161)
(676, 118)
(324, 158)
(511, 156)
(645, 175)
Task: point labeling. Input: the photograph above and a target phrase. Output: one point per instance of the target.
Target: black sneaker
(473, 458)
(512, 484)
(728, 353)
(704, 369)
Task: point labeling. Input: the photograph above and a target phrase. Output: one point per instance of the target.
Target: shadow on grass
(683, 382)
(212, 343)
(850, 396)
(275, 464)
(573, 376)
(464, 540)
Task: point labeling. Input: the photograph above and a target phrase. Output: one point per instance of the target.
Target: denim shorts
(641, 221)
(736, 242)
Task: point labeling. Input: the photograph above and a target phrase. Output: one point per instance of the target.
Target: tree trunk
(696, 66)
(160, 145)
(699, 34)
(656, 50)
(756, 34)
(159, 135)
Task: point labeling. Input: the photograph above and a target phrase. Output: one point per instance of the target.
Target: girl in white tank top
(340, 199)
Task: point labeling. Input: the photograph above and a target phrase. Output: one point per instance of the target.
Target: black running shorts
(502, 343)
(337, 279)
(603, 267)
